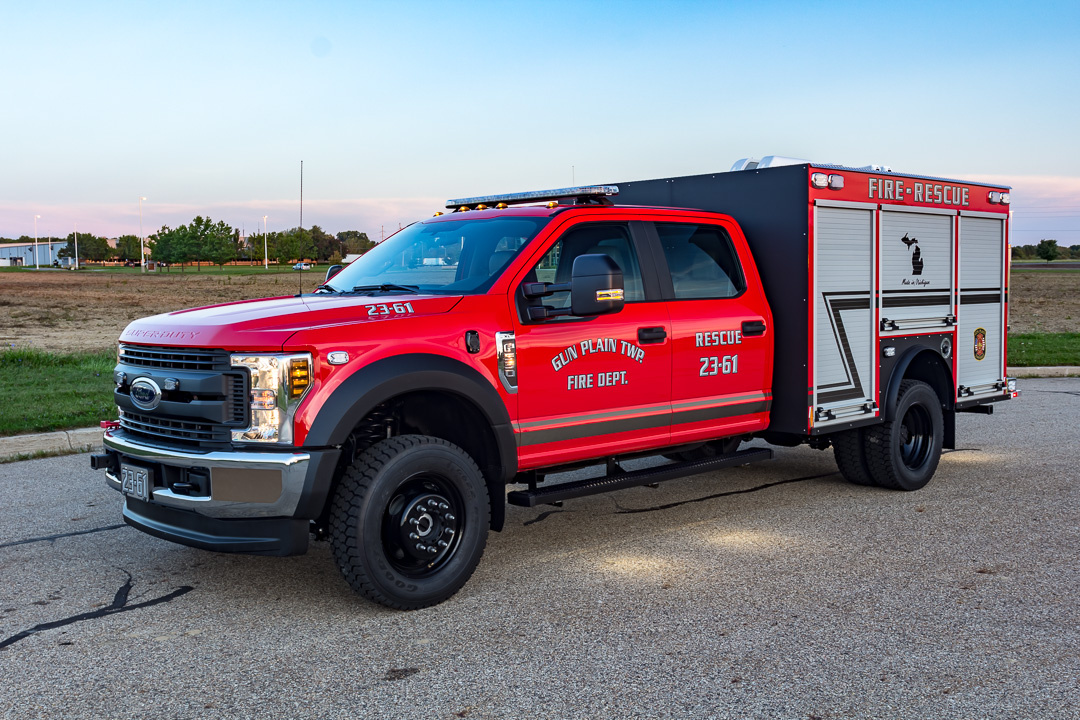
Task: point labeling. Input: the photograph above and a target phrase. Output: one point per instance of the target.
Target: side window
(611, 239)
(702, 261)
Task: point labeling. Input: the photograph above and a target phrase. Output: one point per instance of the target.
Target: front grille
(176, 431)
(211, 401)
(168, 358)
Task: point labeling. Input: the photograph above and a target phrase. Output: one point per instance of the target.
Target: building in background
(22, 254)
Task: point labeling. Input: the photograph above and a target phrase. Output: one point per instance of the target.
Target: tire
(401, 493)
(707, 450)
(903, 453)
(849, 449)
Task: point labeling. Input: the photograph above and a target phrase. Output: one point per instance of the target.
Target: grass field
(52, 391)
(1038, 349)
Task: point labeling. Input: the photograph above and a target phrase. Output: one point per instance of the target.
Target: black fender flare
(900, 370)
(399, 374)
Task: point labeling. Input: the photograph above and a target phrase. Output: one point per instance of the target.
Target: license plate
(135, 481)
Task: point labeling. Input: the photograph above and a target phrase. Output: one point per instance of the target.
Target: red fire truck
(526, 334)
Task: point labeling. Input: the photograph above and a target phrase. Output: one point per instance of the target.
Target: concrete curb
(62, 441)
(1045, 372)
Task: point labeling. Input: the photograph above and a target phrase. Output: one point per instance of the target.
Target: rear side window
(702, 261)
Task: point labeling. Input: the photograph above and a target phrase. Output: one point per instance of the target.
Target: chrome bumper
(242, 484)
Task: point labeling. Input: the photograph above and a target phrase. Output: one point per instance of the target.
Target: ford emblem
(145, 393)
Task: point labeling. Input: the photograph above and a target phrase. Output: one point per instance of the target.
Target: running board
(618, 481)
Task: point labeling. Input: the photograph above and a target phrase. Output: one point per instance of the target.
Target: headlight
(278, 384)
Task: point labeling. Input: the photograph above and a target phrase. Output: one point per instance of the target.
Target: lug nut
(414, 536)
(420, 547)
(443, 544)
(444, 506)
(433, 503)
(449, 518)
(448, 531)
(414, 521)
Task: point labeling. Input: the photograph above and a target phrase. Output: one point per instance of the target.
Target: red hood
(266, 324)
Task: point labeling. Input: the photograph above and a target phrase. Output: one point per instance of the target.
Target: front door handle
(753, 327)
(651, 335)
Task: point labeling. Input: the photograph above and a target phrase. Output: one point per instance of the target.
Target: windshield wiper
(387, 287)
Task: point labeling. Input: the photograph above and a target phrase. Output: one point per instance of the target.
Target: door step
(619, 480)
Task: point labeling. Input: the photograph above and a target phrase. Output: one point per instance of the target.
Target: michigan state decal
(980, 343)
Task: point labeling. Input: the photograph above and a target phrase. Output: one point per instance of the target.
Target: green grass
(1038, 349)
(41, 391)
(175, 270)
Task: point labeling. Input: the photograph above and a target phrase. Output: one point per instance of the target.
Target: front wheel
(409, 521)
(903, 453)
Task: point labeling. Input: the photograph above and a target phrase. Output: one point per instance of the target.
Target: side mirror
(596, 286)
(332, 271)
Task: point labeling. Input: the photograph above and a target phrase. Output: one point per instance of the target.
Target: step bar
(620, 480)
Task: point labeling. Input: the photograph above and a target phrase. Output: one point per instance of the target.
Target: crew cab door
(721, 330)
(595, 386)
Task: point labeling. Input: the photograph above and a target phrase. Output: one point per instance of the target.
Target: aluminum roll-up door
(916, 270)
(844, 357)
(980, 336)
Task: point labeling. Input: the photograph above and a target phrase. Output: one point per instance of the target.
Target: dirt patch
(63, 311)
(1044, 301)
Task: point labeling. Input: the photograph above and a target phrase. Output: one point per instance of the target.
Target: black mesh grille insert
(182, 431)
(174, 358)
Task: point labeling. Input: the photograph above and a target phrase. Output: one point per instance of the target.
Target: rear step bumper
(634, 478)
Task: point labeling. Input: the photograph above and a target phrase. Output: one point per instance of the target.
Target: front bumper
(229, 501)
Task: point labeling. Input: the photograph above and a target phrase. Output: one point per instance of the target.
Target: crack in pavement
(119, 605)
(50, 538)
(1057, 392)
(668, 506)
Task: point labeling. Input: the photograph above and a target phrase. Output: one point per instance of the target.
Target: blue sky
(208, 108)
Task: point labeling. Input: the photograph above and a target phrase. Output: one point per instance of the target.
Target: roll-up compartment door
(916, 270)
(980, 337)
(844, 338)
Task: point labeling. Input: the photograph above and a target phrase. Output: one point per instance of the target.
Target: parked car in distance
(302, 266)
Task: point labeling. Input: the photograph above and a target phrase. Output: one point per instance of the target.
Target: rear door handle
(651, 334)
(753, 327)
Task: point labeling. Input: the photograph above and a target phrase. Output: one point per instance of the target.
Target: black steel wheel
(903, 453)
(409, 521)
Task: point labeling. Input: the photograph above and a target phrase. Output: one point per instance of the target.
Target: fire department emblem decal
(980, 343)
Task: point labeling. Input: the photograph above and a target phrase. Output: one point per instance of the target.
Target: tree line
(205, 241)
(1047, 250)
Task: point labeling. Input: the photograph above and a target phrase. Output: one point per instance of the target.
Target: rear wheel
(849, 449)
(903, 453)
(409, 521)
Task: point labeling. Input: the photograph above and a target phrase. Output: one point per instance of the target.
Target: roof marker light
(836, 182)
(819, 180)
(994, 198)
(1005, 199)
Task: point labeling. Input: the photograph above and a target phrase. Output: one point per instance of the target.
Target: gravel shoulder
(774, 590)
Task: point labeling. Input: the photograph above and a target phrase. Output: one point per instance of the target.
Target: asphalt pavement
(774, 590)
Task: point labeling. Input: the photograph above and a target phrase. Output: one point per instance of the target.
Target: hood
(267, 323)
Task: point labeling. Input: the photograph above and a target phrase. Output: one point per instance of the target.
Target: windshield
(446, 257)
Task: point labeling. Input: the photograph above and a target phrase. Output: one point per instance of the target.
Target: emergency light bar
(585, 192)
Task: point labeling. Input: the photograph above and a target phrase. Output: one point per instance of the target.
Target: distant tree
(128, 247)
(335, 258)
(91, 247)
(356, 242)
(325, 243)
(1048, 250)
(292, 245)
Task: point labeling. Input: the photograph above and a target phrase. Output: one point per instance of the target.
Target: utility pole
(142, 239)
(301, 194)
(36, 265)
(76, 246)
(266, 261)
